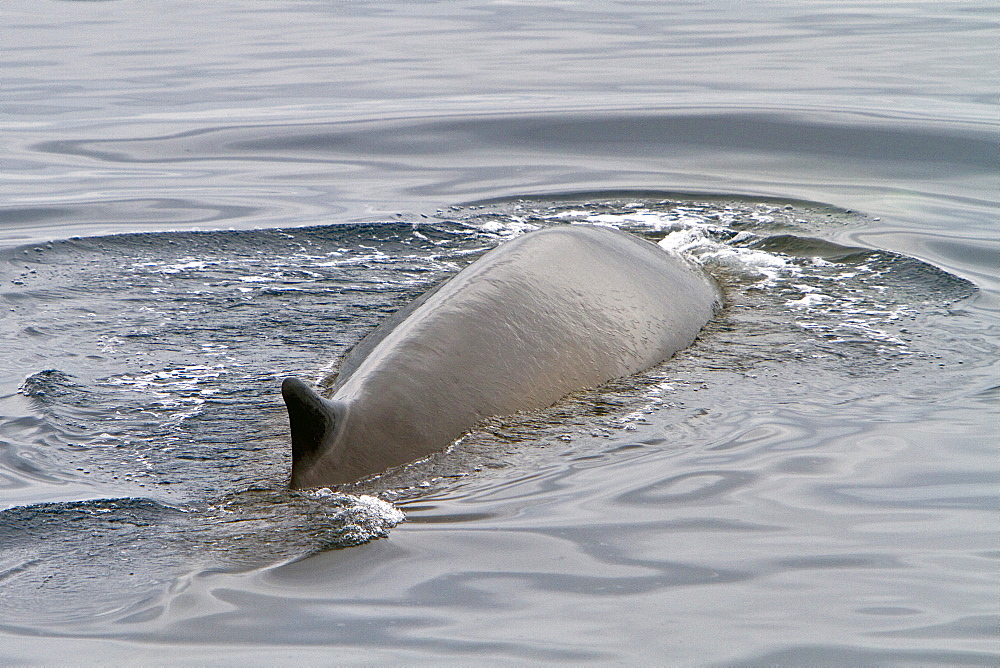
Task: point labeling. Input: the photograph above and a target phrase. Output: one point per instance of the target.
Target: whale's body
(553, 311)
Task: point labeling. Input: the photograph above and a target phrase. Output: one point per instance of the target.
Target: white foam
(180, 265)
(368, 507)
(700, 239)
(808, 300)
(389, 513)
(516, 226)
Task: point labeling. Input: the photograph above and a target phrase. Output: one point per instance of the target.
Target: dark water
(196, 200)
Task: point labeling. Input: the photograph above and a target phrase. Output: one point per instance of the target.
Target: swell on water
(152, 389)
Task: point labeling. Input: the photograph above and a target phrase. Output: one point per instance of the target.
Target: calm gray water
(197, 199)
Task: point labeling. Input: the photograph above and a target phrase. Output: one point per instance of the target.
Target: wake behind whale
(558, 310)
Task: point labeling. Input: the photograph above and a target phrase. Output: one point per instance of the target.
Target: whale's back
(548, 313)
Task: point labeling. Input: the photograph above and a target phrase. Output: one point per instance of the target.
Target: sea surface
(198, 199)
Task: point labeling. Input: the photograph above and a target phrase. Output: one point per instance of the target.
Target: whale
(548, 313)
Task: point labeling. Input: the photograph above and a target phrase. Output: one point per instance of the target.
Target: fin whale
(554, 311)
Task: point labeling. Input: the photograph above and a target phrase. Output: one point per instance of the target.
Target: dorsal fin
(311, 418)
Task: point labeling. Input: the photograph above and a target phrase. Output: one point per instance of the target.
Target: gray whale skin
(553, 311)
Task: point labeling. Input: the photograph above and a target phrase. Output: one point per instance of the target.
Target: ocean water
(197, 199)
